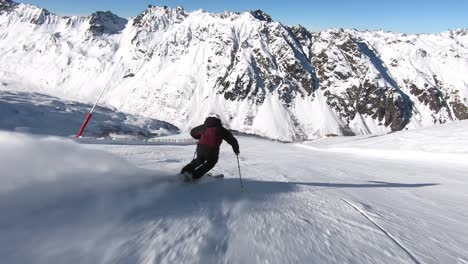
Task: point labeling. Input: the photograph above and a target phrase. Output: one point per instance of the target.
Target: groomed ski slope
(318, 202)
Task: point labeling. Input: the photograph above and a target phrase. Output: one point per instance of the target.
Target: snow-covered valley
(316, 202)
(47, 115)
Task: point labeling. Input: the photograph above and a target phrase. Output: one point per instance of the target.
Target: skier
(210, 136)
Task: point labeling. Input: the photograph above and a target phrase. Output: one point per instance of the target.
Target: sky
(406, 16)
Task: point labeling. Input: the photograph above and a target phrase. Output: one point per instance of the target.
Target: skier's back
(210, 135)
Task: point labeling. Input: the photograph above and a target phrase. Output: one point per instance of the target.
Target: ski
(220, 175)
(187, 177)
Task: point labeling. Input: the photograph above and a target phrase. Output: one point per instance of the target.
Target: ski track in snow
(299, 206)
(411, 255)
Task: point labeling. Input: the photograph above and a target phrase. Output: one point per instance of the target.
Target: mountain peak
(260, 15)
(180, 9)
(106, 23)
(155, 13)
(7, 5)
(461, 31)
(164, 9)
(300, 31)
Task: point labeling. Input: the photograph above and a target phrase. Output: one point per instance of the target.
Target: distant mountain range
(260, 76)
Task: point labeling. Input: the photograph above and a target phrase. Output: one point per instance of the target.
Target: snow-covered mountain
(262, 77)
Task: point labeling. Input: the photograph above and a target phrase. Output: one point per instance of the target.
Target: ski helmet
(212, 114)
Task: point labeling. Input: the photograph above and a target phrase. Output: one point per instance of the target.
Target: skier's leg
(211, 161)
(199, 160)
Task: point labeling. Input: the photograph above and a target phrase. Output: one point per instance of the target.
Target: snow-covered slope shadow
(43, 114)
(92, 223)
(61, 202)
(182, 200)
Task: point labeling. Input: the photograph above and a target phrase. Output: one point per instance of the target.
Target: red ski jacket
(212, 134)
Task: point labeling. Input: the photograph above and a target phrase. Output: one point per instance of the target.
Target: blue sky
(408, 16)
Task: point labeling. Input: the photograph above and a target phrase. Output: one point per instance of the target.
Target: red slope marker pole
(88, 117)
(83, 126)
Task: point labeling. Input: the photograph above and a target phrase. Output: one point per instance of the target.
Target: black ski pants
(206, 159)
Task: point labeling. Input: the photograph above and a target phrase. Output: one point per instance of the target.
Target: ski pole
(240, 175)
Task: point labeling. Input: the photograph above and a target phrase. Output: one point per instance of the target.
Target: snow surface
(62, 202)
(425, 144)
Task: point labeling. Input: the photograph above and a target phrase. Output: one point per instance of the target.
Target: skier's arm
(231, 140)
(196, 132)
